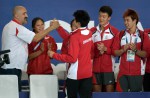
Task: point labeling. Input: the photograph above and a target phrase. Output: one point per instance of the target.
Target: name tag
(130, 56)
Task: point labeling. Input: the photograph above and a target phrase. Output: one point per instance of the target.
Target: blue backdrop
(63, 10)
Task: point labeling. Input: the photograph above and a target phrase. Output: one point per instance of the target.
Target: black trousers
(146, 82)
(83, 87)
(14, 71)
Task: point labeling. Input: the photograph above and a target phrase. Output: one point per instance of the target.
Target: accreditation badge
(130, 56)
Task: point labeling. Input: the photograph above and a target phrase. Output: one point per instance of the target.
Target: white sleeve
(25, 34)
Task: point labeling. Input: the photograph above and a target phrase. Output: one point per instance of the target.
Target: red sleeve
(146, 44)
(63, 34)
(115, 32)
(147, 30)
(31, 47)
(108, 51)
(73, 52)
(116, 44)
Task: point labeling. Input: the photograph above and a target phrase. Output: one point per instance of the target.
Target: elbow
(73, 60)
(145, 55)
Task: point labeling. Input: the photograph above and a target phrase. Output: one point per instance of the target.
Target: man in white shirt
(16, 37)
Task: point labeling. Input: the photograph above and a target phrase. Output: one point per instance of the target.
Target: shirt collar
(105, 27)
(135, 33)
(16, 21)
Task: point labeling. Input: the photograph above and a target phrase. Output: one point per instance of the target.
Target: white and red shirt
(78, 56)
(16, 37)
(131, 68)
(104, 62)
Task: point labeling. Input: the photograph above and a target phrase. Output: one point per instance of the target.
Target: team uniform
(80, 70)
(146, 81)
(65, 36)
(130, 72)
(103, 65)
(15, 37)
(41, 64)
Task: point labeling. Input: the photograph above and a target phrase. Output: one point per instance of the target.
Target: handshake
(54, 24)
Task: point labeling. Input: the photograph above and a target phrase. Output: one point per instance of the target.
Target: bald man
(16, 37)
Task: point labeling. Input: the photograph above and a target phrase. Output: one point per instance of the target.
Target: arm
(141, 53)
(62, 32)
(117, 50)
(36, 53)
(72, 55)
(41, 35)
(145, 47)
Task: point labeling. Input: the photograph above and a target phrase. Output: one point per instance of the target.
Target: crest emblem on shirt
(46, 37)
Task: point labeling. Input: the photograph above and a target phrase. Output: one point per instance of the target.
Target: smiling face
(39, 26)
(104, 18)
(129, 23)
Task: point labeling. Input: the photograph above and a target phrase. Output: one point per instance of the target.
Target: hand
(42, 47)
(50, 53)
(101, 52)
(133, 46)
(54, 24)
(101, 48)
(125, 48)
(50, 46)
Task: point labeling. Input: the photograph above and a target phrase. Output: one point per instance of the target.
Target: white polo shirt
(16, 37)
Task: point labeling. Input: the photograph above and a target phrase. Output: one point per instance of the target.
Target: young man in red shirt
(131, 45)
(103, 61)
(79, 78)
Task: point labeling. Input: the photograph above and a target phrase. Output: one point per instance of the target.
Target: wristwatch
(135, 50)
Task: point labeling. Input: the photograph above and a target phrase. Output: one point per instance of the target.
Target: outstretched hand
(50, 53)
(54, 24)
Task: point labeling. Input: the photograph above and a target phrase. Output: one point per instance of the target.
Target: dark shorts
(131, 83)
(103, 78)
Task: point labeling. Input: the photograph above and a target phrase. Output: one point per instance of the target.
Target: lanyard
(38, 44)
(135, 41)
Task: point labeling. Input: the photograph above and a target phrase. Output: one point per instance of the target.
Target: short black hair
(106, 9)
(82, 16)
(35, 20)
